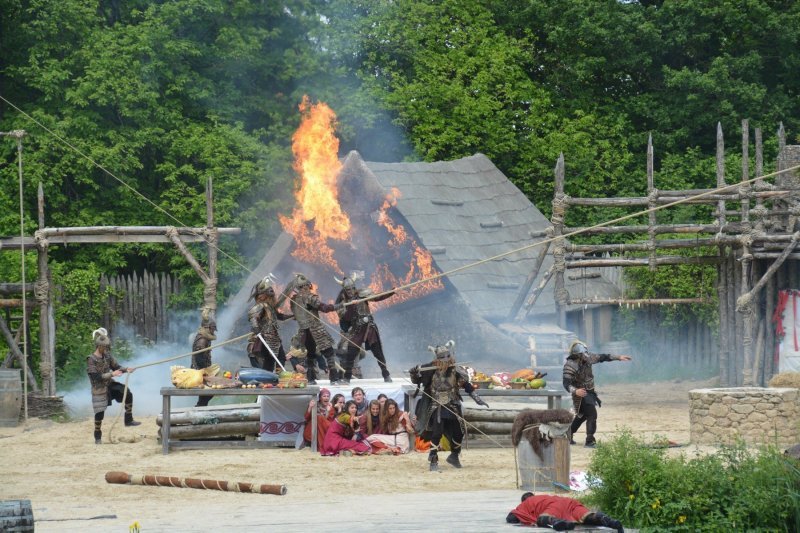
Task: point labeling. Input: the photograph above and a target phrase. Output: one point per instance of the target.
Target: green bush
(735, 489)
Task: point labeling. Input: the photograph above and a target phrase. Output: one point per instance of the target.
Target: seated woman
(370, 421)
(338, 404)
(324, 411)
(397, 430)
(343, 435)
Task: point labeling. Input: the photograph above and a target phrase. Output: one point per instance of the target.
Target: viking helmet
(578, 348)
(100, 337)
(265, 286)
(444, 351)
(300, 281)
(349, 282)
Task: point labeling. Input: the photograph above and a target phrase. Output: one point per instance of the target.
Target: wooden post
(722, 294)
(735, 320)
(769, 337)
(652, 196)
(47, 362)
(720, 174)
(526, 287)
(210, 294)
(559, 212)
(747, 312)
(745, 171)
(759, 183)
(12, 345)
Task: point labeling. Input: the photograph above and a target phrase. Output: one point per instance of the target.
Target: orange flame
(318, 215)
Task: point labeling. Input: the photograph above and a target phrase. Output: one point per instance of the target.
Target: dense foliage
(735, 489)
(162, 96)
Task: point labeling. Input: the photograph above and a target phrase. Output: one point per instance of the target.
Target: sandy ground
(60, 469)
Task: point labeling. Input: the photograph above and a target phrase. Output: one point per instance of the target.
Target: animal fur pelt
(532, 419)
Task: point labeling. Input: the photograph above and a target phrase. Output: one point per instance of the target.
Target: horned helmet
(444, 351)
(578, 348)
(348, 283)
(301, 282)
(100, 338)
(266, 286)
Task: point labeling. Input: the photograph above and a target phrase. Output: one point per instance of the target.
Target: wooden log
(637, 301)
(745, 203)
(184, 251)
(8, 289)
(123, 478)
(732, 228)
(223, 429)
(489, 428)
(11, 303)
(12, 345)
(720, 173)
(722, 295)
(560, 293)
(538, 290)
(651, 204)
(526, 287)
(215, 416)
(769, 337)
(758, 376)
(489, 415)
(733, 337)
(662, 260)
(707, 198)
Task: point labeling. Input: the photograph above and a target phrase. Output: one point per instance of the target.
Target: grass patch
(734, 489)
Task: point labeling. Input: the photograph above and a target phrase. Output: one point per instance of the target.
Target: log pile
(244, 420)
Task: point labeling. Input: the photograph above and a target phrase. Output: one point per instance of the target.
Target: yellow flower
(656, 504)
(134, 528)
(681, 519)
(631, 496)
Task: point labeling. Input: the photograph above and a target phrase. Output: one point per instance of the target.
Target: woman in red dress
(344, 435)
(324, 411)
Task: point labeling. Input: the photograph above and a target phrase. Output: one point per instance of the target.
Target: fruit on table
(538, 383)
(227, 374)
(523, 373)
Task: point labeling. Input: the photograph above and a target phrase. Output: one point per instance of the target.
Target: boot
(555, 523)
(452, 459)
(98, 434)
(333, 375)
(433, 459)
(129, 421)
(602, 519)
(387, 379)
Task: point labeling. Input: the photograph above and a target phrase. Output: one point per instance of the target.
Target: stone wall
(755, 414)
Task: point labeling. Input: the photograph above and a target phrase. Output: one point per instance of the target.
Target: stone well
(755, 414)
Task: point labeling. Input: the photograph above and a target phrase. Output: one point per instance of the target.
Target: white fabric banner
(282, 418)
(789, 347)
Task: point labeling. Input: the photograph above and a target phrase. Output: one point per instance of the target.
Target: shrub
(734, 489)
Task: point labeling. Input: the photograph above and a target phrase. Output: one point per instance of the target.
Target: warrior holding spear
(264, 317)
(358, 325)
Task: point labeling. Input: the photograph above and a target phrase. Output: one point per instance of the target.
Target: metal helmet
(301, 282)
(445, 350)
(100, 337)
(578, 348)
(265, 286)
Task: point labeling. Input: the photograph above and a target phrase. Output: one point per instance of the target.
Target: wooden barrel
(10, 397)
(16, 516)
(539, 475)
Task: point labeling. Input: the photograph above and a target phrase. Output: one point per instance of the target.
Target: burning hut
(429, 228)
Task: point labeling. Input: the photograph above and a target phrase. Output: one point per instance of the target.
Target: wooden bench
(168, 392)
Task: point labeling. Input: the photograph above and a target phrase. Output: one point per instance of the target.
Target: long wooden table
(168, 392)
(553, 396)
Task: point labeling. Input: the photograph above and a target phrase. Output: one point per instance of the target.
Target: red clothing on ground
(555, 506)
(323, 423)
(339, 438)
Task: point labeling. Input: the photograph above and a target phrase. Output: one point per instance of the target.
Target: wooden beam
(526, 287)
(6, 331)
(664, 229)
(174, 236)
(662, 260)
(637, 301)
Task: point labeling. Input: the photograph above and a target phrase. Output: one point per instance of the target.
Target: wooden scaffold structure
(46, 237)
(756, 241)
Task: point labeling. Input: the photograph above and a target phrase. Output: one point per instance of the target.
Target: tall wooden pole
(210, 292)
(652, 196)
(747, 311)
(559, 210)
(47, 362)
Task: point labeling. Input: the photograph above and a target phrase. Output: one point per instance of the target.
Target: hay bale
(785, 380)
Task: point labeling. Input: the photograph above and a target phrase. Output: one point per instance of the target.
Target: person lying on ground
(558, 512)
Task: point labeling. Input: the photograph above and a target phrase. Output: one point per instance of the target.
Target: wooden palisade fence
(754, 231)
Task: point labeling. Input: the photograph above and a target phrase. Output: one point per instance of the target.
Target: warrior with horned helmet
(438, 412)
(311, 332)
(102, 369)
(264, 317)
(358, 325)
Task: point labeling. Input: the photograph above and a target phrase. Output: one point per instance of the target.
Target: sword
(434, 368)
(270, 351)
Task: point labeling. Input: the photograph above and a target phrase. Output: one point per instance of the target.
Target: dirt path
(60, 469)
